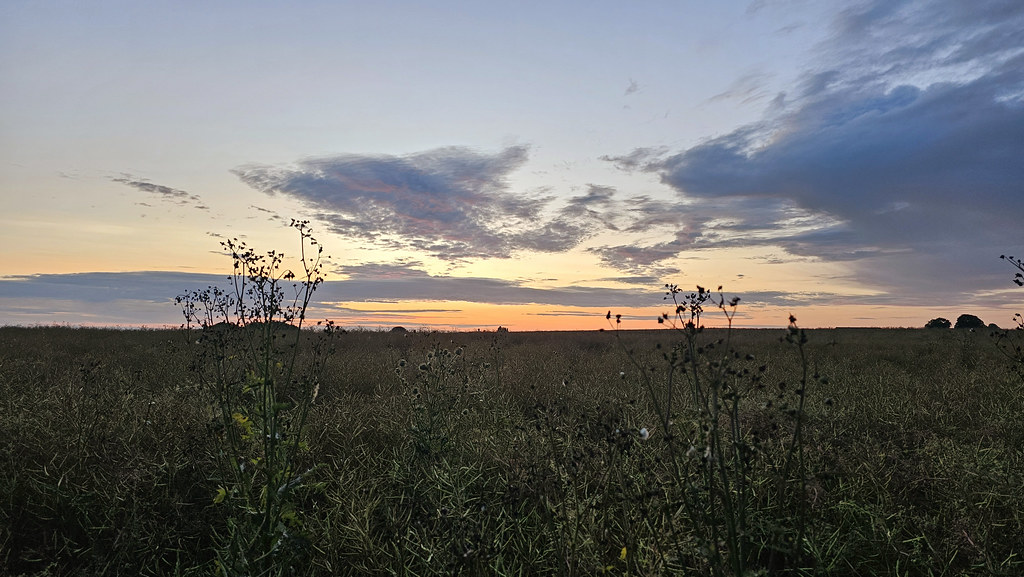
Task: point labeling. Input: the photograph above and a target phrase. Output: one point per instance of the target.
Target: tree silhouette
(968, 322)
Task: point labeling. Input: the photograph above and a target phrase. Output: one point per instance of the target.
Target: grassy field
(898, 453)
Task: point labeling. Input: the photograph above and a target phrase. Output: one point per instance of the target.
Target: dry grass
(518, 455)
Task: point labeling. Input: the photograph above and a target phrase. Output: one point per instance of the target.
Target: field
(897, 452)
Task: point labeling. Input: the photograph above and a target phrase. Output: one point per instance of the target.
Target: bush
(969, 322)
(938, 323)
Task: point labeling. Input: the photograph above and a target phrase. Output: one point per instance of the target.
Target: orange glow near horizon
(462, 316)
(469, 317)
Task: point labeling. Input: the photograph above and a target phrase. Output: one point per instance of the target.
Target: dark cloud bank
(148, 297)
(901, 152)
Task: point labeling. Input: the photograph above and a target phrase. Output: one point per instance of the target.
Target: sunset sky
(527, 164)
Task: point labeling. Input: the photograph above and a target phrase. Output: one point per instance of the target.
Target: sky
(530, 164)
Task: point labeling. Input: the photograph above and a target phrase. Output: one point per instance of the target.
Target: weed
(439, 395)
(248, 357)
(737, 476)
(1010, 342)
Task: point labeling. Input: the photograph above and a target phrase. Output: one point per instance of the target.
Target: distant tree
(993, 327)
(969, 322)
(399, 330)
(939, 323)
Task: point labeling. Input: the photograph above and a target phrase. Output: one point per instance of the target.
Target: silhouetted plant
(1011, 342)
(438, 394)
(938, 323)
(745, 505)
(248, 357)
(1018, 263)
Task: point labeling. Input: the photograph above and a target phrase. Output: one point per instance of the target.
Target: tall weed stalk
(248, 357)
(736, 479)
(1010, 342)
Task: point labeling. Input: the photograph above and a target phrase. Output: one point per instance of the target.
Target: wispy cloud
(750, 87)
(270, 215)
(640, 159)
(403, 281)
(174, 195)
(649, 280)
(451, 203)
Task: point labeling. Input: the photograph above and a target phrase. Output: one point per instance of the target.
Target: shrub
(938, 323)
(968, 322)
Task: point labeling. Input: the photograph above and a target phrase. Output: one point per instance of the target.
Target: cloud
(147, 297)
(899, 150)
(99, 298)
(451, 203)
(270, 215)
(405, 281)
(402, 311)
(402, 269)
(746, 89)
(640, 260)
(177, 196)
(639, 159)
(570, 314)
(649, 280)
(708, 224)
(96, 287)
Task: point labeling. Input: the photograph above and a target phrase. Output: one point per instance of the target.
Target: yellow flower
(245, 423)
